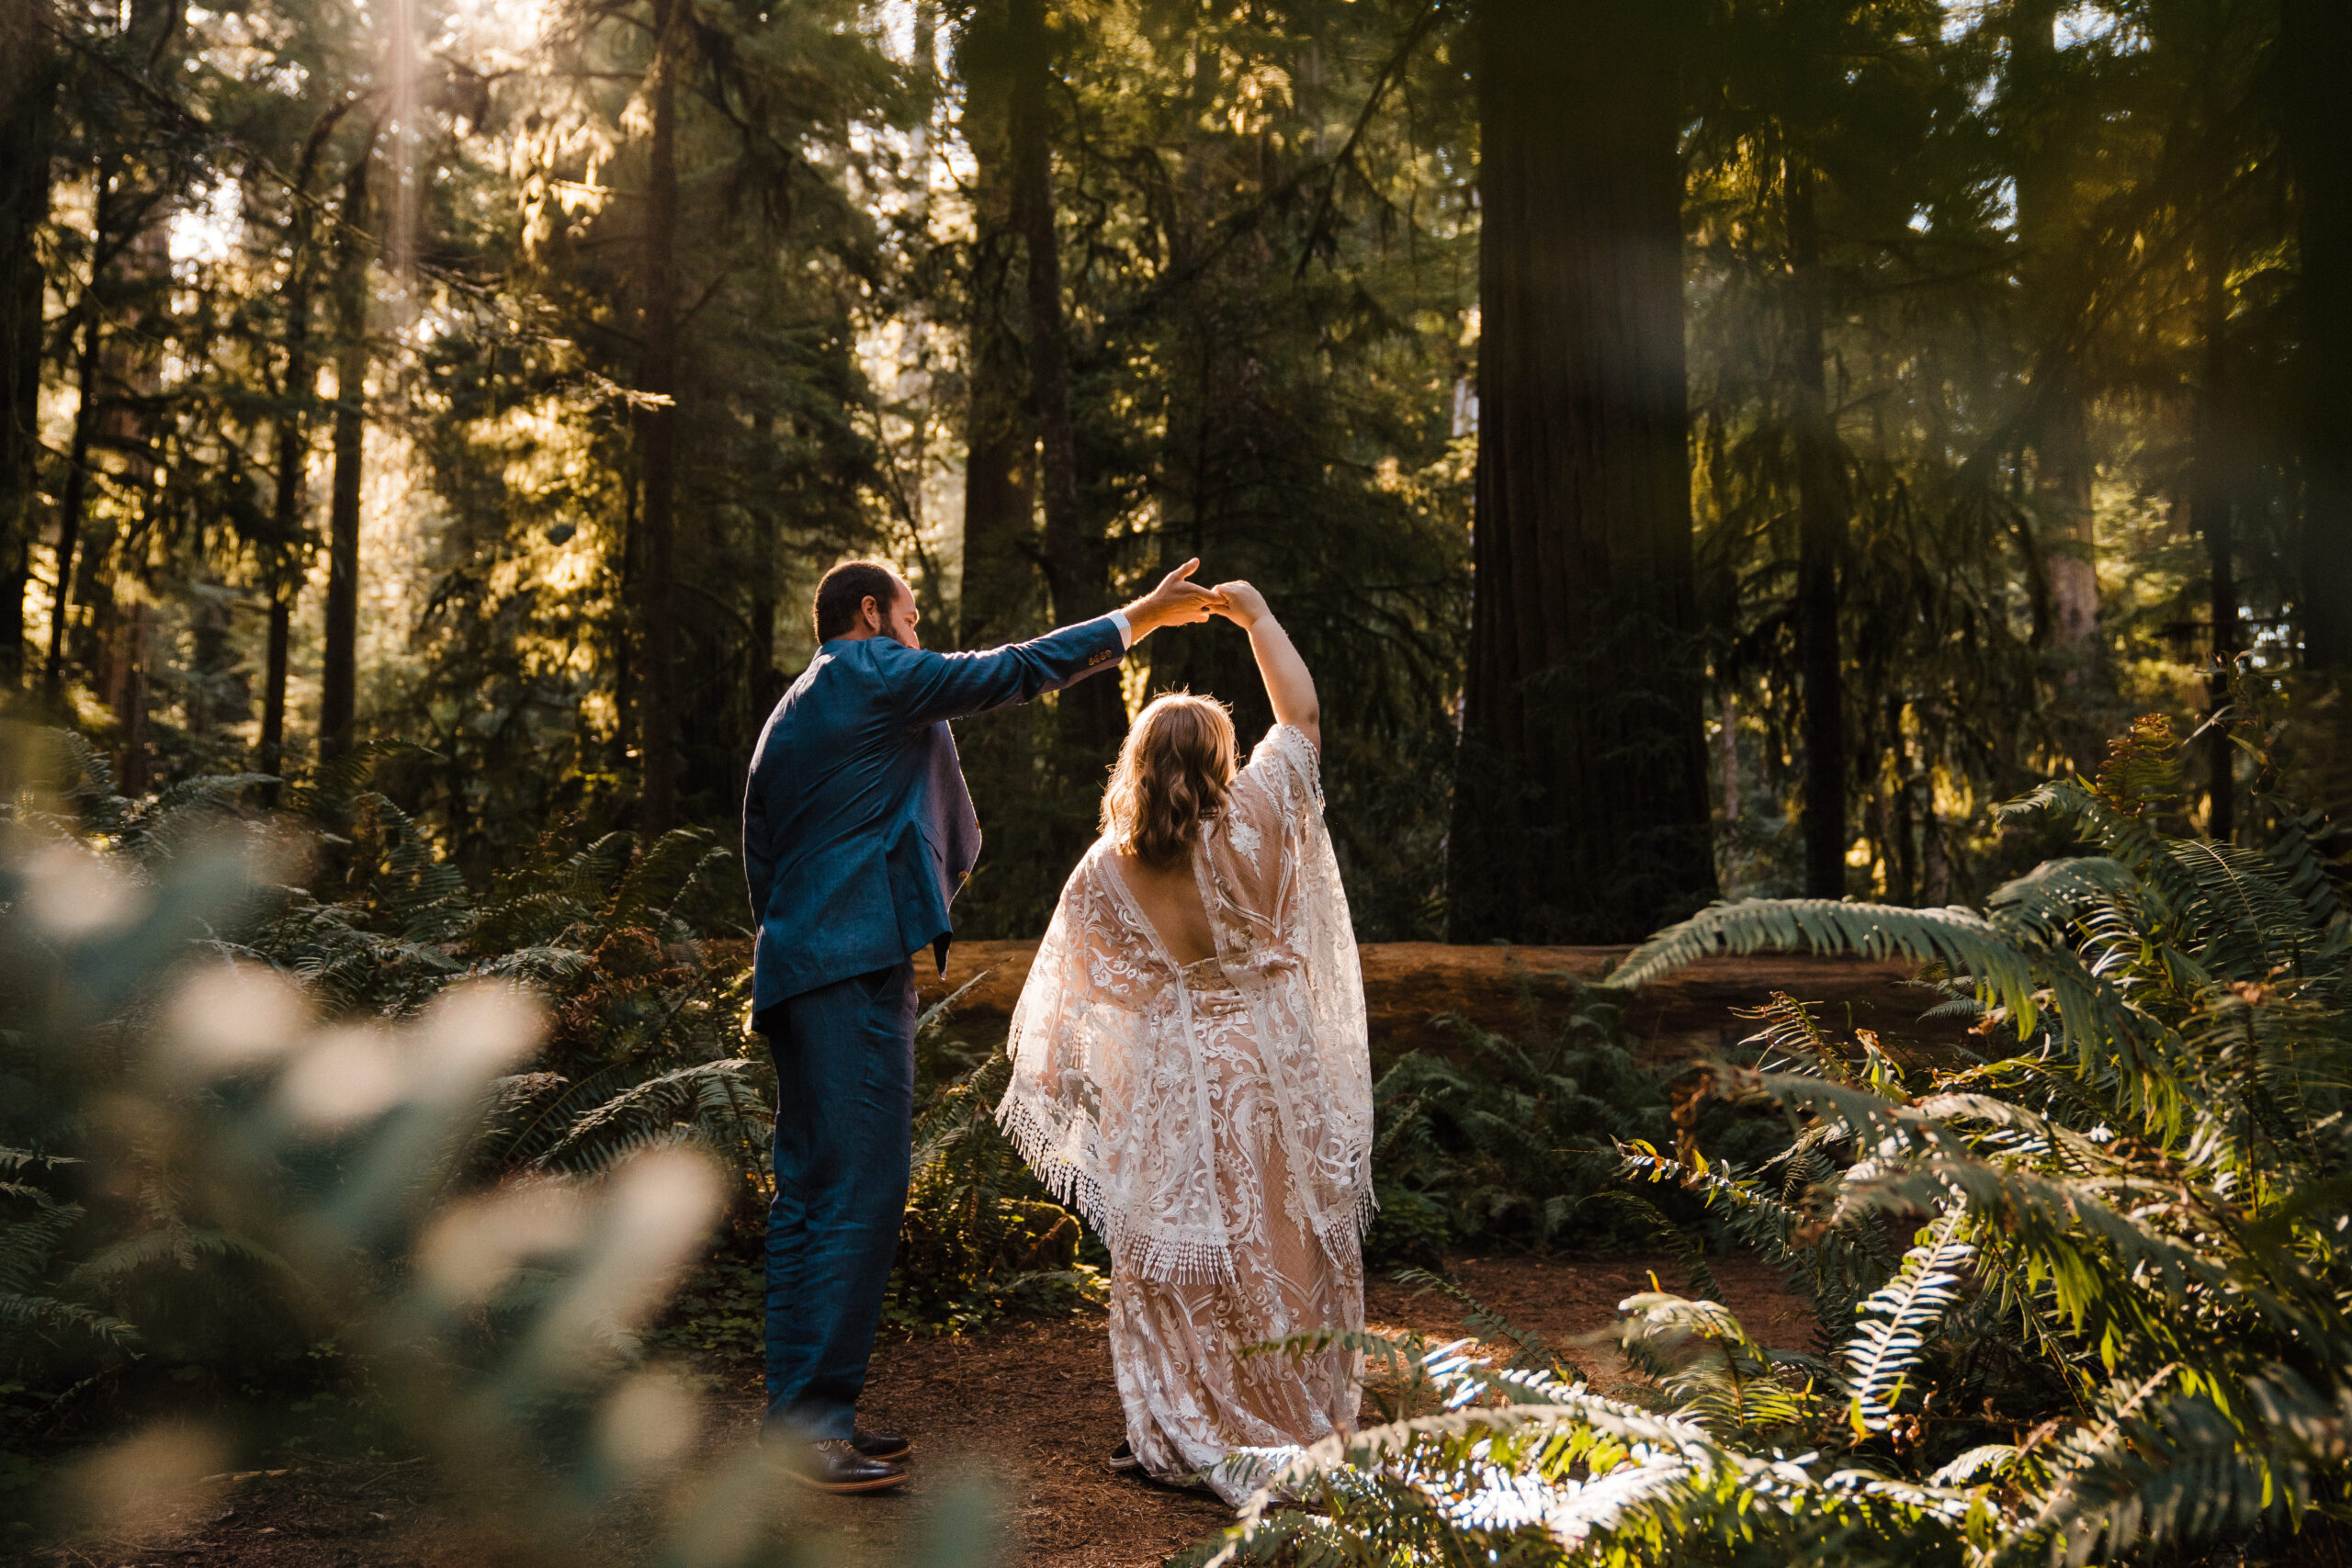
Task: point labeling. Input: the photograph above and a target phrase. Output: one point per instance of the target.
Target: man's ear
(869, 614)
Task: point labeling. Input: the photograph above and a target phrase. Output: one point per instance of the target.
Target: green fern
(2124, 1331)
(1891, 1337)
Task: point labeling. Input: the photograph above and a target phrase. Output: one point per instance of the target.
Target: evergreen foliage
(2118, 1332)
(1994, 320)
(644, 1050)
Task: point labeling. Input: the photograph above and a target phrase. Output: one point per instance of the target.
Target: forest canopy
(1711, 446)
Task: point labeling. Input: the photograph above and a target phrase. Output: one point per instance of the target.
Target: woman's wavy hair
(1173, 775)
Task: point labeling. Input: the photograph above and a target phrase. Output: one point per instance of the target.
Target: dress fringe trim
(1039, 1143)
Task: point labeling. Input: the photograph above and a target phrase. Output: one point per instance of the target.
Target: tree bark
(28, 132)
(297, 387)
(2044, 129)
(2315, 38)
(76, 489)
(999, 595)
(131, 768)
(658, 436)
(1580, 800)
(1821, 505)
(339, 673)
(1093, 714)
(2209, 512)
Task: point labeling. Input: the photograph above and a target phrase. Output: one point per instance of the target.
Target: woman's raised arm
(1288, 686)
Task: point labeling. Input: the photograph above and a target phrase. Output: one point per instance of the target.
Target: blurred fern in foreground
(461, 1148)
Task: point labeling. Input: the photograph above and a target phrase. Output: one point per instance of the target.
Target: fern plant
(2120, 1329)
(648, 1043)
(646, 1046)
(1504, 1137)
(982, 1238)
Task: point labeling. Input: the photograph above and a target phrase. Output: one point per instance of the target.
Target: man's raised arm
(933, 686)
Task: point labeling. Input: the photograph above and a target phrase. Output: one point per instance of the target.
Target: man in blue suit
(857, 831)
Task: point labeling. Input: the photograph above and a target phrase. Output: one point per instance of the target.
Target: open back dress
(1213, 1122)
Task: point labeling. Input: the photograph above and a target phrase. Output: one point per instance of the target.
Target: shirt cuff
(1126, 631)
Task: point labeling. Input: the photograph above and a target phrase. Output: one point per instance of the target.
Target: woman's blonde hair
(1173, 775)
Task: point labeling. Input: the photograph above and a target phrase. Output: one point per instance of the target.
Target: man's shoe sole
(883, 1483)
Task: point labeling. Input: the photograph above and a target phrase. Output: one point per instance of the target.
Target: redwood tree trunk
(2316, 40)
(295, 388)
(340, 666)
(1000, 598)
(1092, 714)
(27, 138)
(1821, 505)
(658, 436)
(130, 768)
(1580, 800)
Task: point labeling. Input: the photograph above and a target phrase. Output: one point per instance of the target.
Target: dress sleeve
(1281, 914)
(1272, 815)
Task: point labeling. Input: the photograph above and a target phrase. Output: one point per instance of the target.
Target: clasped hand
(1178, 601)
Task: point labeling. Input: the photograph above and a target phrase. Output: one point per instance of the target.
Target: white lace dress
(1213, 1124)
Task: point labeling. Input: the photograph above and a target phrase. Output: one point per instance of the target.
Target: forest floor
(1027, 1411)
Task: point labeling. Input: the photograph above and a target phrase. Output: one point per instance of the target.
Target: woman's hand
(1288, 686)
(1240, 603)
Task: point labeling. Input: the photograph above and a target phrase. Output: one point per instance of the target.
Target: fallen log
(1408, 985)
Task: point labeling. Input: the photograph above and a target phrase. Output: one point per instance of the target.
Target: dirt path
(1029, 1411)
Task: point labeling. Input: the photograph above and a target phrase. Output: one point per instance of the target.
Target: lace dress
(1213, 1122)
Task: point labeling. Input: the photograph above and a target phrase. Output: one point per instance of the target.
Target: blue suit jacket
(857, 828)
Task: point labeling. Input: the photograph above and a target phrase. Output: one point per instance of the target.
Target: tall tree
(658, 429)
(296, 385)
(999, 588)
(2046, 126)
(2210, 510)
(1580, 800)
(339, 665)
(1092, 714)
(27, 133)
(2315, 51)
(109, 231)
(1822, 500)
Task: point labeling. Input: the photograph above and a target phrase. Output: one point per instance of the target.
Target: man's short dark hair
(846, 589)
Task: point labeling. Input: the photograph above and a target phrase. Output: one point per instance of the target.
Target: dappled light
(1157, 783)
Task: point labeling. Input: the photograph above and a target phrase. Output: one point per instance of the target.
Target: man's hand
(1175, 603)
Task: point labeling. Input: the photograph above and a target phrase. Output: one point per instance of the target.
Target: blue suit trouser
(845, 1090)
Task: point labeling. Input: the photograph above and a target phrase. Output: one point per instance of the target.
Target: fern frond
(713, 1102)
(1958, 939)
(667, 868)
(1891, 1337)
(1790, 1032)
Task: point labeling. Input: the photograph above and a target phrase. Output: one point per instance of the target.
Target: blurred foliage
(396, 1167)
(2117, 1331)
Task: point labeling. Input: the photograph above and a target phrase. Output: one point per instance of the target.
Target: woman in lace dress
(1189, 1071)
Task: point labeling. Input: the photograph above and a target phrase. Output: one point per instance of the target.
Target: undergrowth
(2084, 1298)
(113, 1274)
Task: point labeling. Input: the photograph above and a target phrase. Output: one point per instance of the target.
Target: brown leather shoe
(881, 1445)
(836, 1465)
